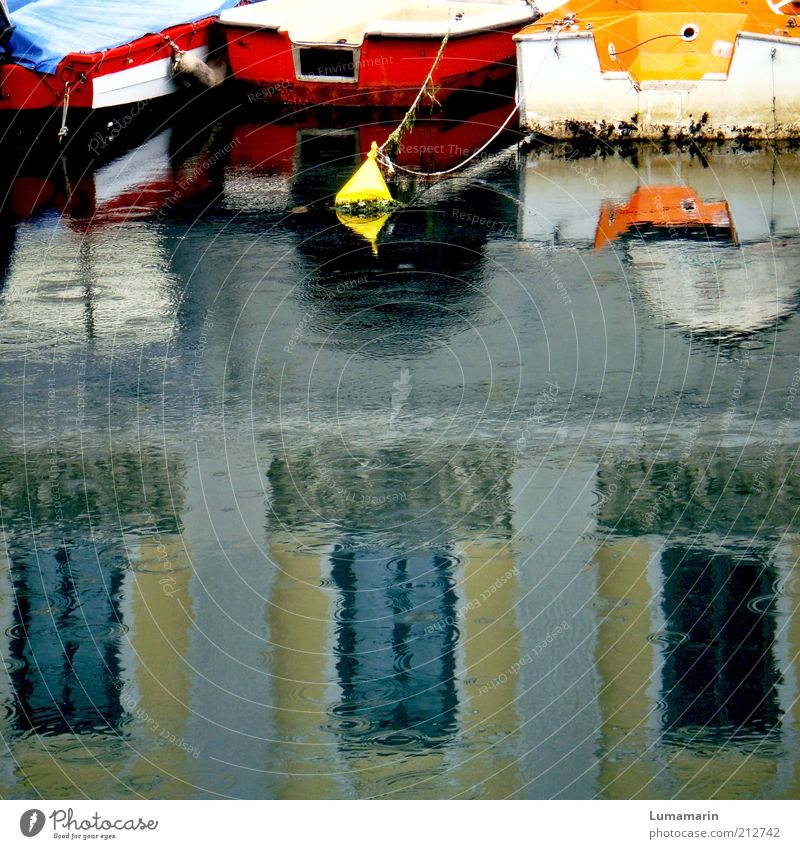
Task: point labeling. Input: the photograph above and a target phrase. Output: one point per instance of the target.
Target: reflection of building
(95, 600)
(95, 622)
(396, 629)
(67, 624)
(387, 604)
(390, 650)
(698, 684)
(733, 212)
(723, 679)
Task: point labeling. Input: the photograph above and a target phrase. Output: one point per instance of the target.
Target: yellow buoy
(366, 185)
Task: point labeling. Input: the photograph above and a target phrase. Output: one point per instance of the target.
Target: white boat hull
(564, 92)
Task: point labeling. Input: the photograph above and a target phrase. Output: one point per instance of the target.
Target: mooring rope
(394, 138)
(62, 133)
(519, 98)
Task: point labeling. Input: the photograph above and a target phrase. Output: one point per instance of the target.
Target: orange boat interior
(688, 41)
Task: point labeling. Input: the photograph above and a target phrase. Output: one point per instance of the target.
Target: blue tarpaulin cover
(45, 31)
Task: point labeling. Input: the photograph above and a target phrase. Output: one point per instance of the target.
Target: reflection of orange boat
(701, 242)
(647, 68)
(676, 209)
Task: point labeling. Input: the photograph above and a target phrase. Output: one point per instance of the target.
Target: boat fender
(209, 74)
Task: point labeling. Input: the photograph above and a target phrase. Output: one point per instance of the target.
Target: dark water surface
(440, 507)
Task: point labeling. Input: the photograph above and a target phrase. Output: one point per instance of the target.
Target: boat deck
(389, 19)
(687, 41)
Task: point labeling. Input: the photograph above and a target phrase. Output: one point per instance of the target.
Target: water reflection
(94, 612)
(676, 218)
(467, 515)
(722, 679)
(710, 680)
(300, 166)
(397, 686)
(63, 642)
(90, 223)
(411, 614)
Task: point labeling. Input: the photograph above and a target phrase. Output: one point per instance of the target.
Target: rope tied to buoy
(366, 193)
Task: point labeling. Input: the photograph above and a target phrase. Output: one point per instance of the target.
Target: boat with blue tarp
(58, 54)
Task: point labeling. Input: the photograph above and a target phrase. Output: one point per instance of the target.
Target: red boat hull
(131, 73)
(390, 70)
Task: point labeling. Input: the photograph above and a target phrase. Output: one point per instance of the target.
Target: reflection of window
(65, 636)
(719, 671)
(395, 645)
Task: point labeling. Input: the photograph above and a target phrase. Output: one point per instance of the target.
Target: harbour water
(495, 498)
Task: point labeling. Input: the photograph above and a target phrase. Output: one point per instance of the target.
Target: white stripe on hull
(139, 83)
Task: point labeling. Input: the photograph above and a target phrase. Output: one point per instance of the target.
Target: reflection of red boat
(89, 226)
(672, 208)
(369, 52)
(140, 184)
(432, 144)
(101, 53)
(286, 155)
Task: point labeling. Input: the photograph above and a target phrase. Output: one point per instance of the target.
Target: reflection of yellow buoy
(368, 228)
(366, 186)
